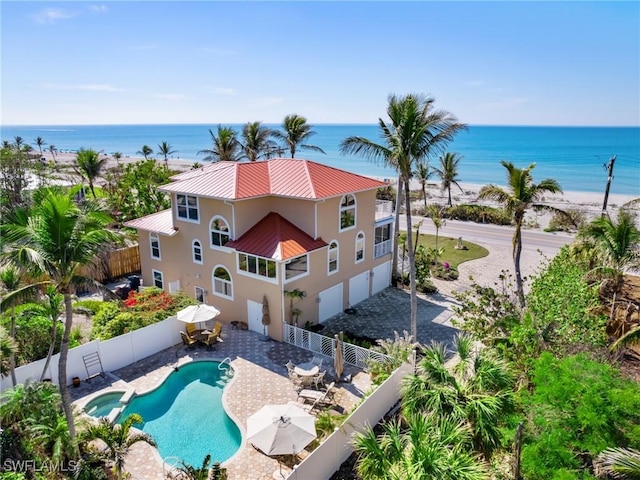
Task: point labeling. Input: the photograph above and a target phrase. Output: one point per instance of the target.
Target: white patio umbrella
(197, 313)
(281, 429)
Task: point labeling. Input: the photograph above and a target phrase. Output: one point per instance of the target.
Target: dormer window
(347, 212)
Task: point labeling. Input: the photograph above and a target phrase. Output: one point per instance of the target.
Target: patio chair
(318, 380)
(191, 329)
(217, 329)
(211, 341)
(188, 341)
(317, 361)
(317, 397)
(290, 366)
(296, 379)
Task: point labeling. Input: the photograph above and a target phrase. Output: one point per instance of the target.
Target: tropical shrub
(479, 214)
(90, 307)
(574, 409)
(572, 219)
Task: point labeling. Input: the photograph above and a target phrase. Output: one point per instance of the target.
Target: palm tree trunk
(517, 251)
(396, 233)
(449, 195)
(62, 370)
(412, 266)
(54, 324)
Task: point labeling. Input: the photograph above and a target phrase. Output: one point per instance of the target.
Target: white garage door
(381, 277)
(358, 288)
(330, 302)
(254, 316)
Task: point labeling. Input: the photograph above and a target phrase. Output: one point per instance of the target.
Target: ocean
(575, 156)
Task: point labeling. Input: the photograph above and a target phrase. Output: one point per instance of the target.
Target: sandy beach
(589, 202)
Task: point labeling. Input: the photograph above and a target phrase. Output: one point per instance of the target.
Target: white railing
(382, 248)
(325, 460)
(352, 354)
(384, 209)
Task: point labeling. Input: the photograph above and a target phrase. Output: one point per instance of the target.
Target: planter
(76, 382)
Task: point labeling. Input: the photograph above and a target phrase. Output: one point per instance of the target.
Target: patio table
(306, 371)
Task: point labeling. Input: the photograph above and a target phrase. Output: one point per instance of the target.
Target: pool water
(185, 415)
(101, 406)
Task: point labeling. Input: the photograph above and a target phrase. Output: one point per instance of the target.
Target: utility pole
(606, 192)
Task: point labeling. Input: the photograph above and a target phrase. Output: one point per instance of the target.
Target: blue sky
(489, 63)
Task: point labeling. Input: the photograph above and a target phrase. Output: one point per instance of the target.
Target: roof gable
(276, 237)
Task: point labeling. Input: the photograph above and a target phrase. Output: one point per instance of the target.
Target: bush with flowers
(139, 310)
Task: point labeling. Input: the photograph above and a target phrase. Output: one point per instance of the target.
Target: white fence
(114, 353)
(352, 354)
(325, 460)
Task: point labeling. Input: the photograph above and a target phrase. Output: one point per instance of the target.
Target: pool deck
(260, 379)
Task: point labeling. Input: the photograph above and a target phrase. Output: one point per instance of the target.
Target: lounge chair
(317, 397)
(188, 341)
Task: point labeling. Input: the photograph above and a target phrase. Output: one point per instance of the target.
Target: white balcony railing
(382, 248)
(384, 209)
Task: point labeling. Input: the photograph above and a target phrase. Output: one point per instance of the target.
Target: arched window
(347, 212)
(196, 249)
(154, 243)
(359, 247)
(222, 285)
(333, 257)
(219, 229)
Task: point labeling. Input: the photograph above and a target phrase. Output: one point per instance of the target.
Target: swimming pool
(185, 415)
(102, 405)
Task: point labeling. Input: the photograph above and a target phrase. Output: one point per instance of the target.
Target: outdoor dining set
(195, 316)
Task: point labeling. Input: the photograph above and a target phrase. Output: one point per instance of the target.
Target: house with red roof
(239, 232)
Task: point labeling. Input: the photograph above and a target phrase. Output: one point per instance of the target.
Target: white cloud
(94, 87)
(98, 8)
(174, 97)
(51, 16)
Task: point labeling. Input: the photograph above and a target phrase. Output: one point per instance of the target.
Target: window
(200, 294)
(158, 279)
(347, 212)
(382, 244)
(296, 267)
(155, 246)
(359, 247)
(197, 251)
(222, 285)
(333, 257)
(219, 229)
(260, 266)
(187, 207)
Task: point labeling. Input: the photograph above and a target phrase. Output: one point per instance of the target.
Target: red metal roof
(276, 237)
(283, 177)
(161, 222)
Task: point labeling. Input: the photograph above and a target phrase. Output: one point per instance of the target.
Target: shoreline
(590, 202)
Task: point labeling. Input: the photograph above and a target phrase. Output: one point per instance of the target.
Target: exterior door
(330, 302)
(381, 277)
(358, 288)
(254, 316)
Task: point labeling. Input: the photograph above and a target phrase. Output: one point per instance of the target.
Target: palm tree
(8, 349)
(89, 165)
(616, 244)
(145, 151)
(296, 130)
(166, 149)
(436, 214)
(226, 147)
(118, 439)
(477, 390)
(52, 306)
(53, 150)
(619, 463)
(416, 131)
(256, 141)
(424, 447)
(117, 156)
(39, 142)
(448, 172)
(58, 238)
(18, 142)
(10, 278)
(188, 472)
(520, 195)
(423, 173)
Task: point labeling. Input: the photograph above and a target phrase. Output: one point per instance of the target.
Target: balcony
(384, 209)
(382, 248)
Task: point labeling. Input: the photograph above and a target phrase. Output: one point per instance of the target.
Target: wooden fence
(118, 263)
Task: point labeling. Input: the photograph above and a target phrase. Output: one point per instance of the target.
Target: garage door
(330, 302)
(359, 288)
(381, 277)
(254, 316)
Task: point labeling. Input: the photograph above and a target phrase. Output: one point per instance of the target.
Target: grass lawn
(452, 255)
